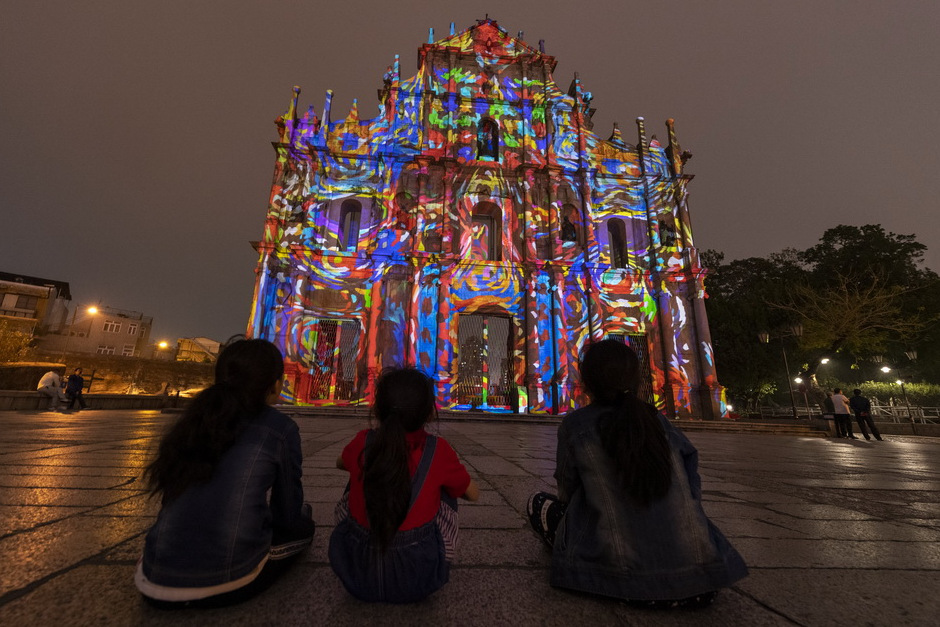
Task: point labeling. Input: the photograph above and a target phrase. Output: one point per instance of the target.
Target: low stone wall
(24, 401)
(111, 374)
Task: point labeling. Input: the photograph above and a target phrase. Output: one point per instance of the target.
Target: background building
(102, 330)
(198, 349)
(36, 305)
(480, 230)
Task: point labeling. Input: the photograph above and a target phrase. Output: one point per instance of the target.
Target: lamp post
(92, 310)
(795, 330)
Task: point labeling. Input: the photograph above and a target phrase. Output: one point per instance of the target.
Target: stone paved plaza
(835, 532)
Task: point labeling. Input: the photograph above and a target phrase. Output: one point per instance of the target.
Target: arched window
(570, 224)
(488, 140)
(617, 239)
(667, 234)
(485, 229)
(403, 204)
(349, 217)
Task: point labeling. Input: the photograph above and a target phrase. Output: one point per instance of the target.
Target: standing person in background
(841, 403)
(74, 387)
(829, 410)
(50, 385)
(862, 408)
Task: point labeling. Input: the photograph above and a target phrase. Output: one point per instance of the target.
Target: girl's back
(396, 525)
(611, 544)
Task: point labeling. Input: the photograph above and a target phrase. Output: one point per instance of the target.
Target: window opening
(484, 361)
(617, 239)
(349, 218)
(488, 140)
(331, 347)
(637, 341)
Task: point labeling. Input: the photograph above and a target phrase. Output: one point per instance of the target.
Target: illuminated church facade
(478, 229)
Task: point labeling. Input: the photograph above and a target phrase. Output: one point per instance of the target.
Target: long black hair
(404, 402)
(245, 373)
(630, 429)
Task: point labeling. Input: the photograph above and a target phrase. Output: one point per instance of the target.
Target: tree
(15, 343)
(861, 292)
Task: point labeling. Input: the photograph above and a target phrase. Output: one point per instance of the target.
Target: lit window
(110, 326)
(485, 233)
(349, 216)
(132, 328)
(617, 239)
(488, 140)
(105, 350)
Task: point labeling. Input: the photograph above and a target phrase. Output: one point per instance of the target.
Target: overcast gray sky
(135, 137)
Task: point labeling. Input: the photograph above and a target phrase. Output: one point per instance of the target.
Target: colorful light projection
(479, 229)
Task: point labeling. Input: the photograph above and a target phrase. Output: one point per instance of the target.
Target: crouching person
(228, 473)
(397, 524)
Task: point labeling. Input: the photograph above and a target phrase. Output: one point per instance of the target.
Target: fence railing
(880, 413)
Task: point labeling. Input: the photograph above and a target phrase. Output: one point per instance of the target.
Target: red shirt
(446, 473)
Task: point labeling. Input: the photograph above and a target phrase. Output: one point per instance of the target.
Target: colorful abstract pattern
(479, 196)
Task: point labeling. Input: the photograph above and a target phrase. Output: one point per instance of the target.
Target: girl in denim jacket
(628, 519)
(396, 526)
(229, 474)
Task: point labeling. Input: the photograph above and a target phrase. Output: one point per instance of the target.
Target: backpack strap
(423, 467)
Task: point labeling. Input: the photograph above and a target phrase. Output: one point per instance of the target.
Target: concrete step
(361, 412)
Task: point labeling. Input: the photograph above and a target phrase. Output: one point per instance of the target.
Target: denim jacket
(220, 531)
(610, 545)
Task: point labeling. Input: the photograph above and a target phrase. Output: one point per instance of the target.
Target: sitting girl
(228, 473)
(396, 527)
(628, 520)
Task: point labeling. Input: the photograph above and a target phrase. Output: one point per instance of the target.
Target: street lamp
(91, 310)
(795, 330)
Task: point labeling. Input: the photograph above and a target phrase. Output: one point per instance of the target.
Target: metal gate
(331, 358)
(484, 377)
(639, 345)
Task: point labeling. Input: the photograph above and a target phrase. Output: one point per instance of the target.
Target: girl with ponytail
(628, 520)
(228, 477)
(397, 523)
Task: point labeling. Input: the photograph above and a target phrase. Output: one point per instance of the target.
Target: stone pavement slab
(834, 532)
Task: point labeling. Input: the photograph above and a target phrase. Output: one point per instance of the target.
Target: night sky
(136, 159)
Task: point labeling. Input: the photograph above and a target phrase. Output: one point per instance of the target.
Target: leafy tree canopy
(860, 292)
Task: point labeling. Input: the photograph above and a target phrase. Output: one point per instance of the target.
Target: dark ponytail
(246, 371)
(630, 429)
(404, 402)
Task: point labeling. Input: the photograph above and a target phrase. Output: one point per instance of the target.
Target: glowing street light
(163, 344)
(91, 310)
(885, 369)
(824, 360)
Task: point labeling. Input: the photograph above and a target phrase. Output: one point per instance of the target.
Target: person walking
(73, 389)
(841, 403)
(862, 408)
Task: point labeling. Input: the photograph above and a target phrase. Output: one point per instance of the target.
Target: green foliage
(859, 293)
(15, 342)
